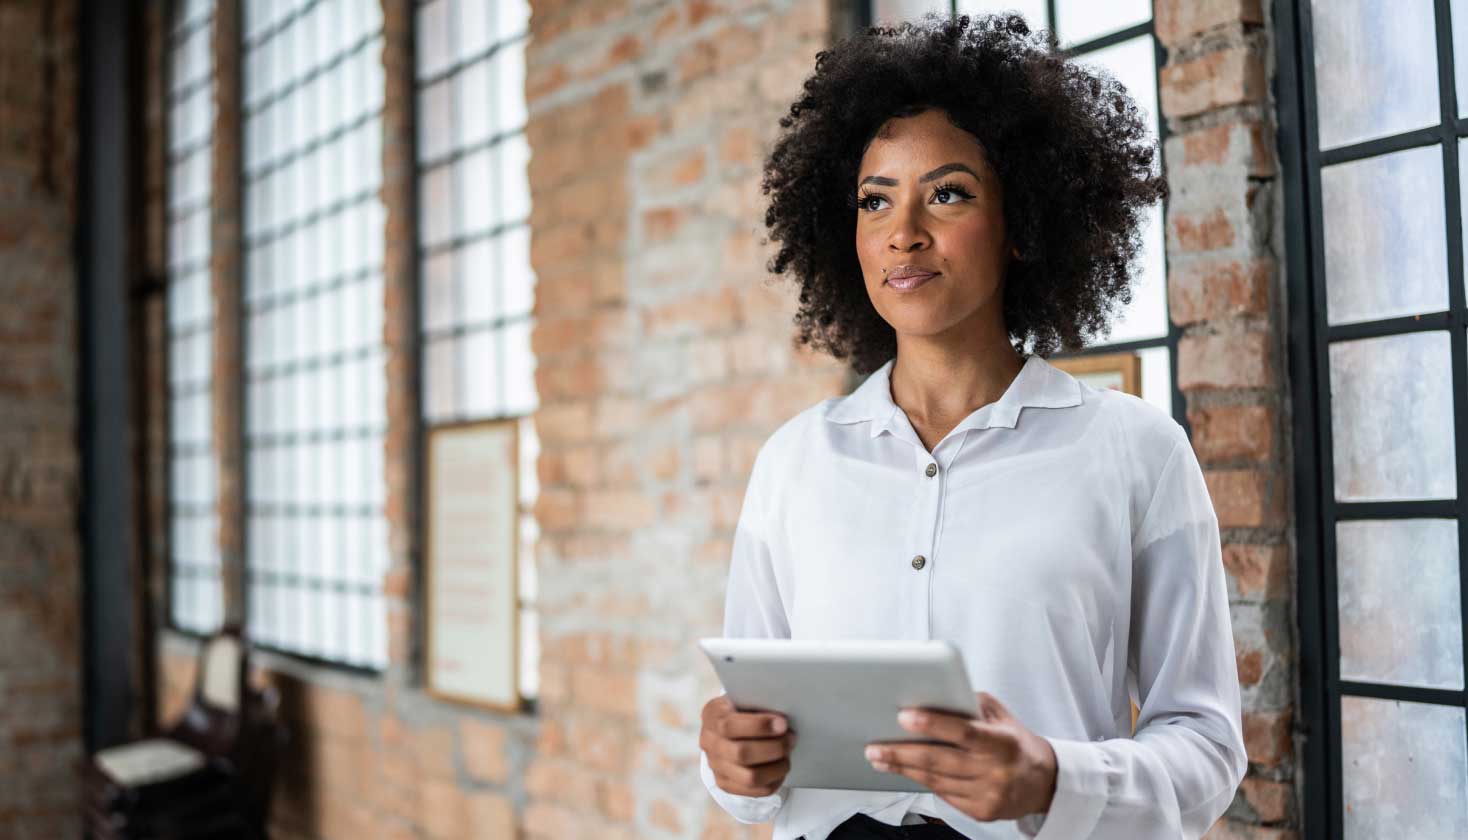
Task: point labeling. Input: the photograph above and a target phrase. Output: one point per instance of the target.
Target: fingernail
(779, 725)
(908, 717)
(873, 753)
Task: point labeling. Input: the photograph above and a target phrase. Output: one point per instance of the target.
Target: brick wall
(665, 361)
(40, 563)
(1226, 289)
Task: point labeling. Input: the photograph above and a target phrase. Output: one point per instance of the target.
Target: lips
(907, 281)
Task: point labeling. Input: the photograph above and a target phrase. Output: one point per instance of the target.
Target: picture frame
(471, 564)
(1120, 371)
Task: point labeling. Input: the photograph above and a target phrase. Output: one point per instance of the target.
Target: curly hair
(1070, 148)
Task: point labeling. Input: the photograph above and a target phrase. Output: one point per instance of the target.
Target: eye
(864, 201)
(952, 190)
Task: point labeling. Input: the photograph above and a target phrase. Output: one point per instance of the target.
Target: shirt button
(919, 561)
(932, 470)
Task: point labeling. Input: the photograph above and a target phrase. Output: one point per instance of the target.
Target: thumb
(991, 709)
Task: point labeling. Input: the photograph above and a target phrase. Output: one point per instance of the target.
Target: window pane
(1391, 410)
(1134, 64)
(1375, 69)
(1146, 316)
(314, 368)
(1084, 20)
(1033, 10)
(892, 11)
(1383, 218)
(1405, 769)
(1460, 48)
(1398, 595)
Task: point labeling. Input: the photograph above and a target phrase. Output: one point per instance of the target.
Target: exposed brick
(1176, 21)
(1232, 359)
(1257, 572)
(1271, 801)
(483, 747)
(1246, 498)
(1231, 76)
(1267, 737)
(1224, 433)
(1204, 290)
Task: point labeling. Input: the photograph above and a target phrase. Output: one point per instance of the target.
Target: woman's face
(930, 207)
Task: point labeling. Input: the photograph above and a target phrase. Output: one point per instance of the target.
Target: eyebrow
(936, 173)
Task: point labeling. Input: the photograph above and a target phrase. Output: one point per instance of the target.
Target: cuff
(1081, 788)
(746, 809)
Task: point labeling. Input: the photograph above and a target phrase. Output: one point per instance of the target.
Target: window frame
(421, 336)
(1310, 337)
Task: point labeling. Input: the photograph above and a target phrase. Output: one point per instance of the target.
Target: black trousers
(863, 827)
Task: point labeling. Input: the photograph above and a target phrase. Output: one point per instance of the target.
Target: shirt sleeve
(1178, 773)
(752, 609)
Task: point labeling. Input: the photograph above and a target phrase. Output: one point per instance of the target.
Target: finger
(934, 758)
(760, 780)
(752, 725)
(943, 726)
(752, 751)
(936, 782)
(991, 709)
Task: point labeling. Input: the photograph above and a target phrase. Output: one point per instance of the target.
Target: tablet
(839, 696)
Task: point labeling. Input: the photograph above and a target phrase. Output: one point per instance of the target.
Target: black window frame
(1310, 337)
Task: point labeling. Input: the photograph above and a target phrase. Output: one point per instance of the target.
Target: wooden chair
(208, 775)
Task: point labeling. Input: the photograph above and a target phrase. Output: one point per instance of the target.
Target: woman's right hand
(749, 752)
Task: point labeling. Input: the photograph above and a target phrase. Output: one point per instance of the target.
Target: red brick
(1205, 290)
(1231, 76)
(1267, 737)
(1176, 21)
(1223, 433)
(1246, 498)
(1271, 801)
(1229, 359)
(1257, 572)
(483, 746)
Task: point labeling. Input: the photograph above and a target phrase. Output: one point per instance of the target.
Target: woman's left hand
(990, 767)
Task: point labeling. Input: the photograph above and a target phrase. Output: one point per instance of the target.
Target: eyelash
(864, 196)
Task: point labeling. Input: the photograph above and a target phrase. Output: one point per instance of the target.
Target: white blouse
(1069, 549)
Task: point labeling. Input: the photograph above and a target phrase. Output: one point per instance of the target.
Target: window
(315, 390)
(1372, 98)
(1115, 37)
(474, 255)
(195, 602)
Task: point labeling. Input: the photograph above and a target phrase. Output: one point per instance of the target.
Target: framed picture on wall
(1118, 371)
(470, 560)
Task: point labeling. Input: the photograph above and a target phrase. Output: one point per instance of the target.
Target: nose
(907, 232)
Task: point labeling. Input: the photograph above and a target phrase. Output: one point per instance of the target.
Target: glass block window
(315, 389)
(195, 592)
(474, 240)
(1115, 37)
(1376, 185)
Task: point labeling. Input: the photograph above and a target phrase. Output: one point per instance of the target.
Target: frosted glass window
(1391, 410)
(893, 11)
(1405, 769)
(1398, 594)
(473, 226)
(1085, 20)
(315, 388)
(1375, 69)
(195, 590)
(1033, 10)
(1385, 236)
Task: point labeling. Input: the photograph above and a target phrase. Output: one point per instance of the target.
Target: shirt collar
(1038, 385)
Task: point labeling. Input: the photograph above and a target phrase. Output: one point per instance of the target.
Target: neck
(937, 379)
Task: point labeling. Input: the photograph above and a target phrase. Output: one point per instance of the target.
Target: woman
(1061, 536)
